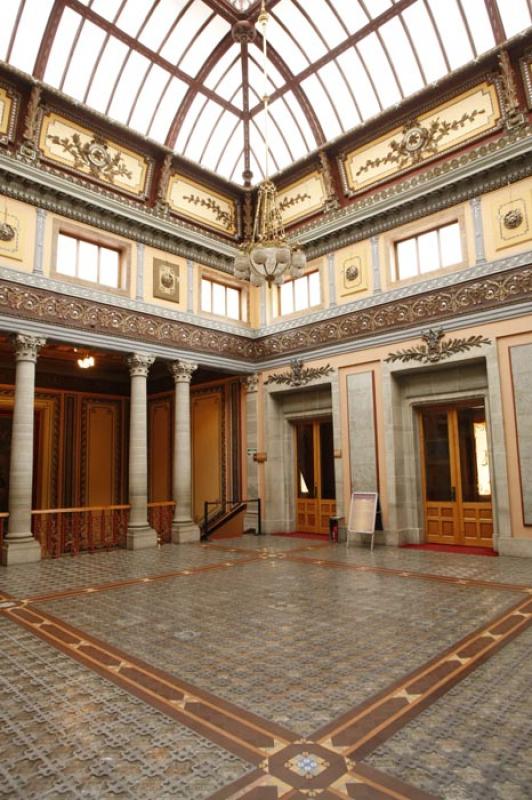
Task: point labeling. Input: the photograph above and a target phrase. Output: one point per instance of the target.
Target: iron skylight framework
(171, 69)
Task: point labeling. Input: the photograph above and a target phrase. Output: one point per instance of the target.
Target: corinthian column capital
(139, 364)
(251, 383)
(27, 347)
(182, 370)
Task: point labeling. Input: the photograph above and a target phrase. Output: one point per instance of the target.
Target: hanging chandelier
(268, 257)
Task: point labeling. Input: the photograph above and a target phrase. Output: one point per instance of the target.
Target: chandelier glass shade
(268, 257)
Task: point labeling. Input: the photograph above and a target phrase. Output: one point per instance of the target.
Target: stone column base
(20, 551)
(510, 546)
(186, 531)
(141, 538)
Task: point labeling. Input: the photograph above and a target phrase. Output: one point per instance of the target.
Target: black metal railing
(214, 520)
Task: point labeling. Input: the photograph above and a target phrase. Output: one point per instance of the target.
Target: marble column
(139, 534)
(251, 385)
(184, 528)
(19, 545)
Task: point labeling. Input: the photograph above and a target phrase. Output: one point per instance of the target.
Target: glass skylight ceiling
(171, 70)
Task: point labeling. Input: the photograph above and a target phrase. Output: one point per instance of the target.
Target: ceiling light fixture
(86, 362)
(268, 257)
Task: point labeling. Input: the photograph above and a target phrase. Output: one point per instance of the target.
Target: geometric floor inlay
(285, 670)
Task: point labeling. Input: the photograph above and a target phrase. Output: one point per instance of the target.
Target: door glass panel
(474, 462)
(305, 460)
(437, 457)
(327, 461)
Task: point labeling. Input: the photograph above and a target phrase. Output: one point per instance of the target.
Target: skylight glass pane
(378, 66)
(223, 160)
(452, 32)
(66, 255)
(515, 15)
(366, 98)
(109, 263)
(185, 31)
(338, 89)
(9, 15)
(283, 43)
(128, 85)
(402, 56)
(286, 298)
(203, 46)
(314, 288)
(133, 15)
(163, 17)
(303, 32)
(203, 129)
(233, 303)
(479, 24)
(61, 46)
(87, 261)
(429, 255)
(319, 100)
(257, 145)
(87, 49)
(327, 23)
(376, 7)
(195, 109)
(149, 97)
(281, 113)
(108, 9)
(451, 245)
(425, 40)
(222, 64)
(167, 109)
(29, 33)
(206, 299)
(236, 172)
(277, 143)
(297, 111)
(109, 65)
(231, 82)
(352, 14)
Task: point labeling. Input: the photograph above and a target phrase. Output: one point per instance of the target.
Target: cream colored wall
(19, 253)
(502, 241)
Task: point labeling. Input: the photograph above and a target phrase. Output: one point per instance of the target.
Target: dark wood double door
(456, 474)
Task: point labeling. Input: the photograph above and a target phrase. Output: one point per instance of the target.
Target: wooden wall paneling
(235, 445)
(100, 450)
(68, 495)
(160, 448)
(208, 456)
(123, 489)
(47, 450)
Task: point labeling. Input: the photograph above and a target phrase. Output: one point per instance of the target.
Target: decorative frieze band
(509, 287)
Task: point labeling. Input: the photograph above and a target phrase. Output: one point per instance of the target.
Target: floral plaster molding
(464, 298)
(436, 348)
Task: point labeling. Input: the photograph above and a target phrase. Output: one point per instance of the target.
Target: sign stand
(362, 514)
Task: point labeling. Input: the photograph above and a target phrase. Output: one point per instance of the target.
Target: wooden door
(315, 495)
(456, 475)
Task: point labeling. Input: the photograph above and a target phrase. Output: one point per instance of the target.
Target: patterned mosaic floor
(267, 669)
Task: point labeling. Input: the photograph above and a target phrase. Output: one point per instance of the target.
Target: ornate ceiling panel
(188, 73)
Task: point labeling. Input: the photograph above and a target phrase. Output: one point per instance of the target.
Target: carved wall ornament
(225, 217)
(7, 232)
(352, 273)
(299, 375)
(331, 199)
(512, 219)
(165, 280)
(510, 96)
(418, 141)
(436, 348)
(162, 189)
(31, 119)
(93, 155)
(248, 214)
(290, 202)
